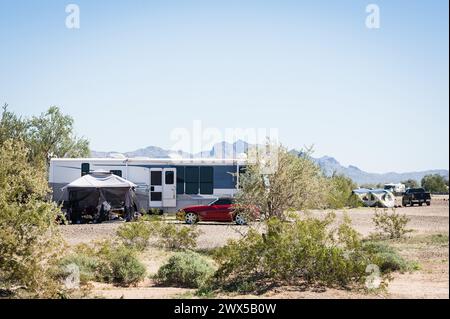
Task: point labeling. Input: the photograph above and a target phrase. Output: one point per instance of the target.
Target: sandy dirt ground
(431, 281)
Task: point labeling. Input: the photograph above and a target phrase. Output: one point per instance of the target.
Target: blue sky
(374, 98)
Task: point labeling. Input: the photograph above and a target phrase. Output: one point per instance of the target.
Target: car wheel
(239, 219)
(420, 204)
(190, 218)
(428, 203)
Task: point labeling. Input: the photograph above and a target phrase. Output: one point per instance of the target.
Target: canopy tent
(100, 179)
(97, 194)
(375, 197)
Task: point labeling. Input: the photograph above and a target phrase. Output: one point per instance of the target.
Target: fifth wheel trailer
(167, 184)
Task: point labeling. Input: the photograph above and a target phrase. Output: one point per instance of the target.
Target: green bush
(304, 251)
(87, 265)
(135, 234)
(387, 258)
(107, 261)
(169, 235)
(176, 237)
(391, 224)
(185, 269)
(123, 267)
(30, 242)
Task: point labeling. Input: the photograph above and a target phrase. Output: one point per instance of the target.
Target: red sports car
(220, 210)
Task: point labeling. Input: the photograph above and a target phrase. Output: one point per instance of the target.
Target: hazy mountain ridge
(328, 164)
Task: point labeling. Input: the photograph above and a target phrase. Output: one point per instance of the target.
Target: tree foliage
(289, 182)
(411, 183)
(435, 183)
(45, 136)
(341, 192)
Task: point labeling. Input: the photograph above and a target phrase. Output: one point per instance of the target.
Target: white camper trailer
(397, 189)
(376, 197)
(168, 184)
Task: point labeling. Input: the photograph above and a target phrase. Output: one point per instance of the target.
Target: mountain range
(328, 164)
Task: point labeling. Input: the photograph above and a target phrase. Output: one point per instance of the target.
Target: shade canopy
(97, 193)
(100, 180)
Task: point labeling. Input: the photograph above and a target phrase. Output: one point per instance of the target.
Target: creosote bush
(175, 237)
(185, 269)
(107, 261)
(306, 250)
(391, 224)
(387, 258)
(168, 235)
(135, 234)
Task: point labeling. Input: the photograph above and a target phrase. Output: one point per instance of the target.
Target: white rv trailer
(398, 188)
(375, 197)
(168, 184)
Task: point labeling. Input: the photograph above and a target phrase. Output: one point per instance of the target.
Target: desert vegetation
(291, 246)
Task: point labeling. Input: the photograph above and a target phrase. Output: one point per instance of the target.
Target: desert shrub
(123, 267)
(305, 251)
(175, 237)
(135, 234)
(30, 244)
(185, 269)
(387, 258)
(107, 261)
(87, 265)
(391, 224)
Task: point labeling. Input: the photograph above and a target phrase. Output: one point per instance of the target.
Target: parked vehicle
(397, 189)
(220, 210)
(416, 195)
(375, 197)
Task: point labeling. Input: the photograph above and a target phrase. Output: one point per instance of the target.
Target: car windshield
(222, 201)
(416, 190)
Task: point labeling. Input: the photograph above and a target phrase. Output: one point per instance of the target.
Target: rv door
(156, 187)
(170, 187)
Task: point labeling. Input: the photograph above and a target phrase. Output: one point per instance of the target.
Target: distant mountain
(328, 164)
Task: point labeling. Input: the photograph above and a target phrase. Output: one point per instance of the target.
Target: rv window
(156, 196)
(85, 169)
(156, 178)
(206, 180)
(191, 176)
(180, 180)
(169, 178)
(116, 172)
